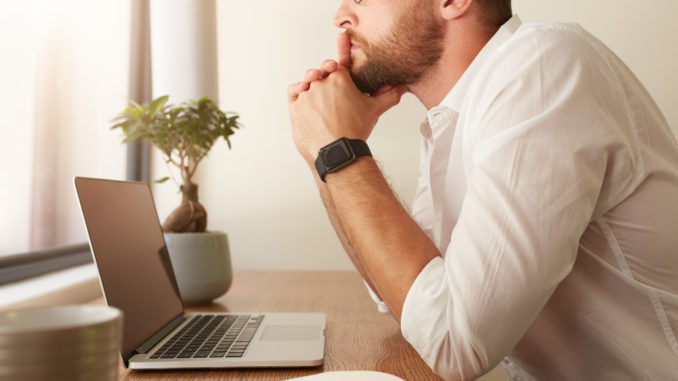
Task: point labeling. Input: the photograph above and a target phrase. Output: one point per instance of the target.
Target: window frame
(18, 267)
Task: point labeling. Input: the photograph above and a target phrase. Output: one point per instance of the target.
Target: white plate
(355, 375)
(45, 319)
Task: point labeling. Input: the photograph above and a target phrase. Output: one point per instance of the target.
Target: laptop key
(247, 334)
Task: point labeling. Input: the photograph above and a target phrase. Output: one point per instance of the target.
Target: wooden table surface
(357, 336)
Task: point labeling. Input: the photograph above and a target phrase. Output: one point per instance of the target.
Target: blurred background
(68, 67)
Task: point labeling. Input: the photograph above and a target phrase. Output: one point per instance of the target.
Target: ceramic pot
(202, 265)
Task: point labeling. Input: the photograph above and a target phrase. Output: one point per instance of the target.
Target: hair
(495, 12)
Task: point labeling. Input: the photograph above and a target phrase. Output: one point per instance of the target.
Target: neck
(462, 42)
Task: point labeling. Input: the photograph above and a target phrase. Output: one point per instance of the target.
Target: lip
(354, 46)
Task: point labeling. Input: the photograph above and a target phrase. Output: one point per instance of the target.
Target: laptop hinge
(159, 335)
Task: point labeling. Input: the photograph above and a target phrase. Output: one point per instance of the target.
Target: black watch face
(337, 154)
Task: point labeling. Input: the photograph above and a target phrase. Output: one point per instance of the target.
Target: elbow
(454, 360)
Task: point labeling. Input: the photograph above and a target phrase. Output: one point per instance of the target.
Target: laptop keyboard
(211, 336)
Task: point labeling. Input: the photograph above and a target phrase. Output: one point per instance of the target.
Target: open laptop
(136, 276)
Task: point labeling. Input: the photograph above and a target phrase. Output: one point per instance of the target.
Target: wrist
(364, 168)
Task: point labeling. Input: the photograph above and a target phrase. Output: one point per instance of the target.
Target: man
(545, 226)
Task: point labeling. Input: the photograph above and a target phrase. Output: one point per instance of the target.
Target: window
(65, 73)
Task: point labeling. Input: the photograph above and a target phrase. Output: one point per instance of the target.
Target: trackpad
(291, 333)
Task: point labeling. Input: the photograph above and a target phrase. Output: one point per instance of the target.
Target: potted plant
(185, 134)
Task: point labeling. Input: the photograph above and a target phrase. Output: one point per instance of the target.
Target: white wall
(262, 194)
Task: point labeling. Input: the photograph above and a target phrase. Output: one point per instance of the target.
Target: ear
(453, 9)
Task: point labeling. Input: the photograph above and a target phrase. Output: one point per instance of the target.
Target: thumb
(385, 99)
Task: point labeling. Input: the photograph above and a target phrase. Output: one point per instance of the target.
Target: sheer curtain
(64, 74)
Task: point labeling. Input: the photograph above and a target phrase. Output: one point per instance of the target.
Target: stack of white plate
(60, 343)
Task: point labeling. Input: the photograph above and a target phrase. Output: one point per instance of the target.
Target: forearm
(385, 240)
(338, 228)
(332, 108)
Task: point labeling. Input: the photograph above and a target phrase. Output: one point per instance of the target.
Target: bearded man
(544, 229)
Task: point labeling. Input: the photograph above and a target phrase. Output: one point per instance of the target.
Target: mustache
(356, 38)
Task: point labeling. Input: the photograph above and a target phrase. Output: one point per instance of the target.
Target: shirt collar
(456, 96)
(454, 99)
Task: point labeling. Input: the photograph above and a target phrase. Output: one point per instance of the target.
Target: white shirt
(549, 183)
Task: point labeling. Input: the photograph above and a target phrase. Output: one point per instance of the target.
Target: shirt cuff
(429, 324)
(381, 306)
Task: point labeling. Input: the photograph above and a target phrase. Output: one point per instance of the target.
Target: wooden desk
(357, 336)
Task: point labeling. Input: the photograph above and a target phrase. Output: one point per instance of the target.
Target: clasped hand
(327, 105)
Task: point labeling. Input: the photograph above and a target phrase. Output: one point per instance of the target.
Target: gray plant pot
(202, 265)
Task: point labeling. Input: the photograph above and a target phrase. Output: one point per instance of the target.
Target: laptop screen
(131, 255)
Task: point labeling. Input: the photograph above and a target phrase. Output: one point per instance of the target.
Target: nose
(345, 17)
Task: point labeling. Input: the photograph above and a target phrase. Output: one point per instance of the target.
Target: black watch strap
(339, 154)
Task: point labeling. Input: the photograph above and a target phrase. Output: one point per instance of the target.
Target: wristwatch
(339, 154)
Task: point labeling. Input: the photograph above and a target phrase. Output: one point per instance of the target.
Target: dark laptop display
(123, 227)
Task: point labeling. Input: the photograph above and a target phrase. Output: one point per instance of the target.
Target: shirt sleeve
(540, 139)
(381, 306)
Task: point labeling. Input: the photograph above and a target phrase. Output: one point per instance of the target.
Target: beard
(413, 46)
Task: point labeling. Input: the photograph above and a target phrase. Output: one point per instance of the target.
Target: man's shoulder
(545, 51)
(540, 65)
(555, 40)
(552, 30)
(564, 28)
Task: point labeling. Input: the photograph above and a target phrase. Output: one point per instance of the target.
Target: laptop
(136, 276)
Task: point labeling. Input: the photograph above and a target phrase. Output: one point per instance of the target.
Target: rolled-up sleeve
(542, 147)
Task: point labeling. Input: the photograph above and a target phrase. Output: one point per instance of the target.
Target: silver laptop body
(136, 276)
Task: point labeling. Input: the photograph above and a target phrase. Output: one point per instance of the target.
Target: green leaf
(157, 104)
(134, 136)
(136, 105)
(160, 181)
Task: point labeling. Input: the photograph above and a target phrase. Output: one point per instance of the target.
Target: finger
(292, 91)
(344, 50)
(312, 75)
(328, 67)
(295, 89)
(387, 98)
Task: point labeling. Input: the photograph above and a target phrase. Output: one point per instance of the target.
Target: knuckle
(293, 89)
(339, 76)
